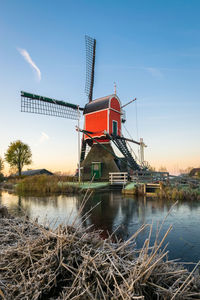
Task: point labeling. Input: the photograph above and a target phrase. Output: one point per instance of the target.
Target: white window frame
(113, 126)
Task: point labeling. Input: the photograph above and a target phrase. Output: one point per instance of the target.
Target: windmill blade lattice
(90, 64)
(47, 106)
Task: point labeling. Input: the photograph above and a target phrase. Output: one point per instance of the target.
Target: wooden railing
(184, 180)
(118, 178)
(148, 176)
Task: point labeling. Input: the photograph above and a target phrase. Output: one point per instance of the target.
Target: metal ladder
(121, 145)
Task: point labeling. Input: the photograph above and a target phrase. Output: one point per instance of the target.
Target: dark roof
(35, 172)
(194, 171)
(97, 104)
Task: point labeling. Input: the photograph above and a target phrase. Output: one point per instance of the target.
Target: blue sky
(151, 49)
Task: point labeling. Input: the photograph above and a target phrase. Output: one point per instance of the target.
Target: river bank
(165, 190)
(71, 261)
(180, 192)
(51, 185)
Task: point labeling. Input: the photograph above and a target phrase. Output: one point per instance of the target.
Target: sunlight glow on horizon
(153, 57)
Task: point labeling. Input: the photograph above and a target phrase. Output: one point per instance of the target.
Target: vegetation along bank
(168, 191)
(74, 263)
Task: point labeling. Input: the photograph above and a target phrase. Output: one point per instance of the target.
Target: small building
(35, 172)
(195, 172)
(103, 114)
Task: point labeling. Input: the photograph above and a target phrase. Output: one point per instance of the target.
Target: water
(115, 210)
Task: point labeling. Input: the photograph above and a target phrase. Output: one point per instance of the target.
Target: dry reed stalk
(185, 284)
(72, 262)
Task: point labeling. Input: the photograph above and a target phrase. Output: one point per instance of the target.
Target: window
(96, 167)
(114, 131)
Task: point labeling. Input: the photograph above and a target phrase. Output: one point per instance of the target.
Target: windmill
(102, 124)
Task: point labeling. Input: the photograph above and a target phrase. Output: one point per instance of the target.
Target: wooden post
(144, 188)
(79, 152)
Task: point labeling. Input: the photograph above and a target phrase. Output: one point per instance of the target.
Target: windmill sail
(32, 103)
(90, 64)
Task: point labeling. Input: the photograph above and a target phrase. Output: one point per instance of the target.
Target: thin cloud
(29, 60)
(44, 137)
(154, 72)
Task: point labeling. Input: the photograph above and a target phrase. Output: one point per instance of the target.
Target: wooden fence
(120, 178)
(148, 176)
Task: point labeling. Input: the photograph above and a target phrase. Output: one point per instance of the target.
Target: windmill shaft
(128, 140)
(128, 103)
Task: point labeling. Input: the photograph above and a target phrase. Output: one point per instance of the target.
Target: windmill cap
(99, 104)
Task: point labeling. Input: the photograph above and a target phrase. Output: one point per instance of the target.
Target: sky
(151, 49)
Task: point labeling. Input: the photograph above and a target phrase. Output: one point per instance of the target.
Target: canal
(111, 211)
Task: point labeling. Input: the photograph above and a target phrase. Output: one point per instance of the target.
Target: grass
(89, 185)
(45, 184)
(73, 262)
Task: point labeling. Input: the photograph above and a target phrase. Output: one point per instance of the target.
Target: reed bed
(45, 184)
(17, 230)
(72, 262)
(8, 185)
(179, 192)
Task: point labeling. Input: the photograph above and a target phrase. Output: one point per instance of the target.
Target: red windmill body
(103, 115)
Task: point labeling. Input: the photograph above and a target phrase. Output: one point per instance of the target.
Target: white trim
(114, 96)
(115, 110)
(96, 111)
(102, 143)
(96, 136)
